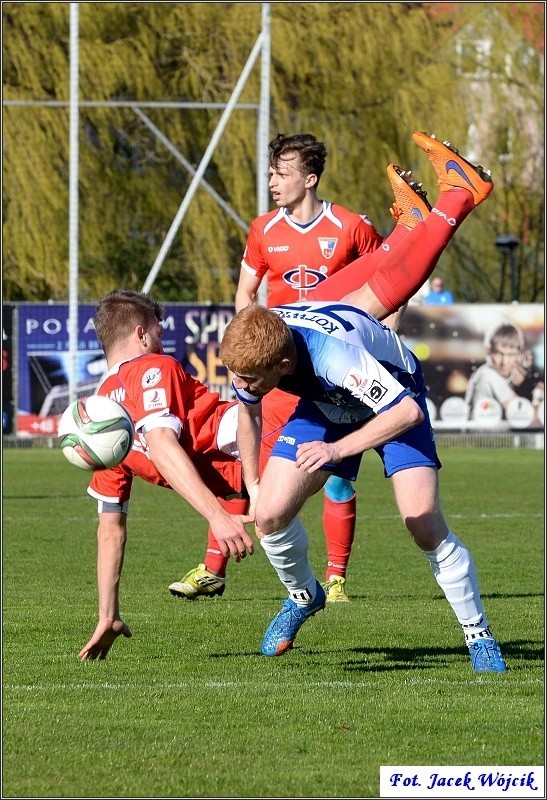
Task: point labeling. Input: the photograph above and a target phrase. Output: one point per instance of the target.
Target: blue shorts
(415, 448)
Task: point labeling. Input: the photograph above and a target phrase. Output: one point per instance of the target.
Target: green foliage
(361, 76)
(380, 680)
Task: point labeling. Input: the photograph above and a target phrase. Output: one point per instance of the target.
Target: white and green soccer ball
(96, 433)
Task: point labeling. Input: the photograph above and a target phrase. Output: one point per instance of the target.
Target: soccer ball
(96, 433)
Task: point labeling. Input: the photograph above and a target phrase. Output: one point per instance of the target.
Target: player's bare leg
(417, 496)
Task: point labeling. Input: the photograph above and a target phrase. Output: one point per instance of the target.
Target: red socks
(339, 527)
(214, 561)
(406, 259)
(415, 257)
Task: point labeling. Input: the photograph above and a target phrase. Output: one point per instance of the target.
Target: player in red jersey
(185, 440)
(306, 240)
(296, 247)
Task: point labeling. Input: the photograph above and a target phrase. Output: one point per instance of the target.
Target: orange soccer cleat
(453, 171)
(411, 205)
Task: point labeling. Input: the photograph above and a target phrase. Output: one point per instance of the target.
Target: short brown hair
(118, 314)
(312, 152)
(256, 339)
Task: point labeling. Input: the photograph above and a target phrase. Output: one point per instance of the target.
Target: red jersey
(156, 391)
(298, 258)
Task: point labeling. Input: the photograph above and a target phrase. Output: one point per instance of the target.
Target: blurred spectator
(438, 296)
(418, 298)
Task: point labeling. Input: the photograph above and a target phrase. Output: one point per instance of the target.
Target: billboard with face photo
(483, 364)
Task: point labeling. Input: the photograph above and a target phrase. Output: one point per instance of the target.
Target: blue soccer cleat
(486, 655)
(282, 630)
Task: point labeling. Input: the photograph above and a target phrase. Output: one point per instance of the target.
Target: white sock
(287, 551)
(454, 570)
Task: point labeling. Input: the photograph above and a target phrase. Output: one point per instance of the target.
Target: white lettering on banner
(168, 324)
(202, 323)
(52, 326)
(458, 782)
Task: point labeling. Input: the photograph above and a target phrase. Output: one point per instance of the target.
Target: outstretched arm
(111, 538)
(178, 470)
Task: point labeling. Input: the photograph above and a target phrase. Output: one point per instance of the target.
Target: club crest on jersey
(303, 277)
(151, 377)
(327, 246)
(364, 388)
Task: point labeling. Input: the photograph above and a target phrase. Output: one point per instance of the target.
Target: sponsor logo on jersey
(356, 380)
(278, 248)
(363, 387)
(303, 278)
(151, 377)
(376, 391)
(327, 246)
(153, 399)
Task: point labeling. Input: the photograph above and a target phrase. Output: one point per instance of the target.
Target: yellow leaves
(360, 76)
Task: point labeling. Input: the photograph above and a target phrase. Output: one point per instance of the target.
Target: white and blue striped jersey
(349, 364)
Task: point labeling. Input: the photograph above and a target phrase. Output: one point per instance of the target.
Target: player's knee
(428, 529)
(339, 490)
(271, 518)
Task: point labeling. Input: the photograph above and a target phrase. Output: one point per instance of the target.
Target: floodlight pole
(73, 206)
(263, 133)
(507, 244)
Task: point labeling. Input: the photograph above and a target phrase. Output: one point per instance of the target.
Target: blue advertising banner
(7, 368)
(483, 364)
(191, 334)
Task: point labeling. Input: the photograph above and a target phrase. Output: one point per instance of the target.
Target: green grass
(188, 707)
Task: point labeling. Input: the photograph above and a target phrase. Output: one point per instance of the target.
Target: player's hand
(103, 638)
(311, 456)
(231, 535)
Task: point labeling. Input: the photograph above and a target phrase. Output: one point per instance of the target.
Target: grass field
(189, 708)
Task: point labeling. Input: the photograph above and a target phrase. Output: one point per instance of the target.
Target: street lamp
(507, 243)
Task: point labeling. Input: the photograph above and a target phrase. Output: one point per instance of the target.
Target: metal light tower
(507, 244)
